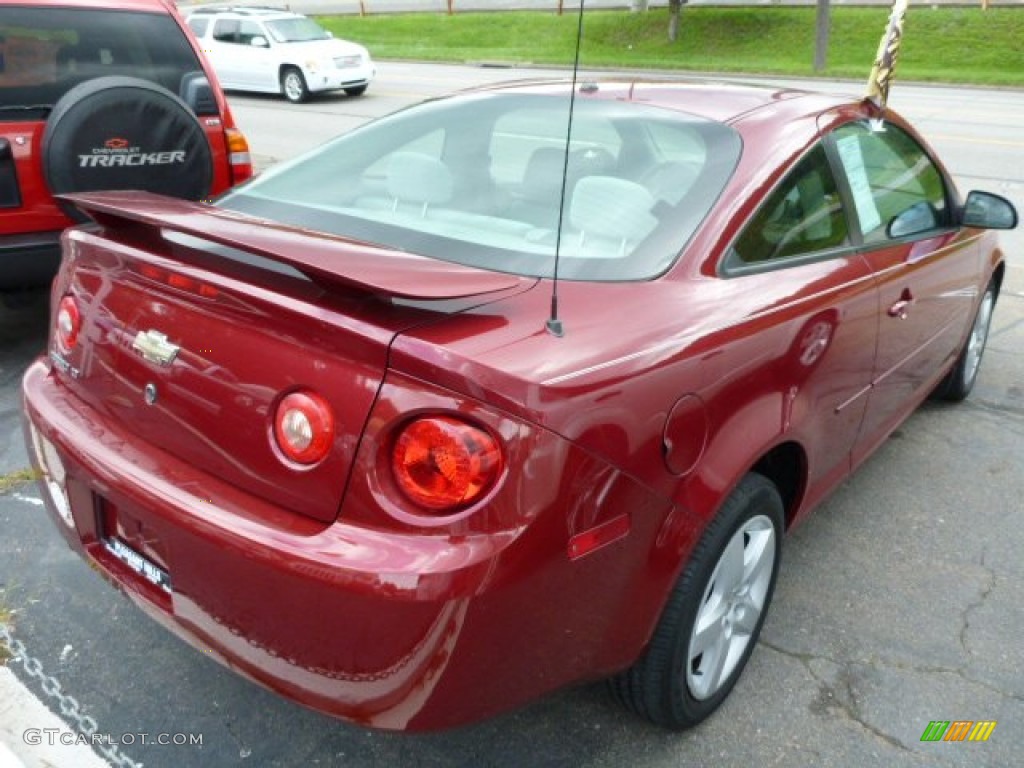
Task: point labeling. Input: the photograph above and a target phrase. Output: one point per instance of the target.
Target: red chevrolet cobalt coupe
(471, 403)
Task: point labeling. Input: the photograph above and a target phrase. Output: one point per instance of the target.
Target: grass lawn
(963, 45)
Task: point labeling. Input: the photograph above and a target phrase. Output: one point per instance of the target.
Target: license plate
(151, 572)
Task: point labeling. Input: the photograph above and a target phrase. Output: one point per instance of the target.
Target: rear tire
(293, 85)
(714, 614)
(959, 382)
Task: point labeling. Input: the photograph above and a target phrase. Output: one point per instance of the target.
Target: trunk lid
(195, 323)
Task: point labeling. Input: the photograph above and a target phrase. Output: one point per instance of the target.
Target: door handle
(899, 309)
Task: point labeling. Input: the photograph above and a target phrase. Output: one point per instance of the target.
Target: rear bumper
(28, 260)
(391, 630)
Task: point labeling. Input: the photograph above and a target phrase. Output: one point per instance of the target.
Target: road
(898, 601)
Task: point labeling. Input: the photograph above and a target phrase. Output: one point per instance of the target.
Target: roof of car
(255, 11)
(720, 101)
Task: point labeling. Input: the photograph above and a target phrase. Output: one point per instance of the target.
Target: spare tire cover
(126, 133)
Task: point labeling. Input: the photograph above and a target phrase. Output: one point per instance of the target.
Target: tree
(821, 30)
(675, 7)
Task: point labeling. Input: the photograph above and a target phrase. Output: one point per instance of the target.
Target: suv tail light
(69, 324)
(304, 427)
(443, 463)
(238, 155)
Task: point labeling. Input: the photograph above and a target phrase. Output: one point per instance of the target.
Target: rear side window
(802, 217)
(44, 52)
(198, 25)
(226, 30)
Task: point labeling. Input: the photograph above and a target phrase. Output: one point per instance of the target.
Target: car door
(925, 267)
(241, 55)
(257, 57)
(222, 51)
(817, 292)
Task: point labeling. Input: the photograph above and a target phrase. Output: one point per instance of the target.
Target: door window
(897, 190)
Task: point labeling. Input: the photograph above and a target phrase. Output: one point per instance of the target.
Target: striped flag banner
(885, 59)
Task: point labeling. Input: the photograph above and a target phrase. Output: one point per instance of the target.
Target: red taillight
(69, 324)
(443, 463)
(304, 427)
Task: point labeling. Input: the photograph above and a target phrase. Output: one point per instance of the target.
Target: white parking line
(33, 737)
(33, 500)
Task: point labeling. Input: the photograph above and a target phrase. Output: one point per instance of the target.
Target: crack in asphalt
(844, 699)
(1000, 410)
(840, 699)
(965, 616)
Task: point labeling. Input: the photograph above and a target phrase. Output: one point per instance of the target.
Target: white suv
(275, 51)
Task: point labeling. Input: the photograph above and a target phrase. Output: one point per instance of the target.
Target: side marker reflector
(594, 538)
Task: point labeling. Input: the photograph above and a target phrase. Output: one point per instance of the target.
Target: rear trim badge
(154, 346)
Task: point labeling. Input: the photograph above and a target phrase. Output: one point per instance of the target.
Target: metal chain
(69, 706)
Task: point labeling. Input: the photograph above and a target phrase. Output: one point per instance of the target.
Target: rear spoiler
(319, 256)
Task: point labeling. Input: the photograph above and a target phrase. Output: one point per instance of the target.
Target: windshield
(296, 30)
(478, 180)
(44, 53)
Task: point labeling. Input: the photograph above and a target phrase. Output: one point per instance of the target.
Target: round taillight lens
(69, 324)
(443, 463)
(304, 427)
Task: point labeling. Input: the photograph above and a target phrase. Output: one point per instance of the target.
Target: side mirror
(259, 41)
(987, 211)
(920, 217)
(195, 91)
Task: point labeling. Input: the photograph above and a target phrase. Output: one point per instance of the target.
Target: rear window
(479, 181)
(44, 52)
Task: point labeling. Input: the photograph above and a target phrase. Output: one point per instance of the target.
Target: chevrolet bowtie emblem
(154, 346)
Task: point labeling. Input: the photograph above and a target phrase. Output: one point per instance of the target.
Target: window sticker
(864, 201)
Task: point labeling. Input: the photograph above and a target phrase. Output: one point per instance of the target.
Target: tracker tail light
(443, 463)
(69, 324)
(238, 156)
(304, 427)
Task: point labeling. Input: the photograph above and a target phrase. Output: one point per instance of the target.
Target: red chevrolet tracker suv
(101, 95)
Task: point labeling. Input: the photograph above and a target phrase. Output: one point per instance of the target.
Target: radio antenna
(554, 324)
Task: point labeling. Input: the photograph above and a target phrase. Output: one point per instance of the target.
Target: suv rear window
(44, 52)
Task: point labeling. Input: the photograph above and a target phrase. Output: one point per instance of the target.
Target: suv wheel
(293, 85)
(125, 133)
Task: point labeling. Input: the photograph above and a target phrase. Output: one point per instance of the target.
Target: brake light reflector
(443, 463)
(69, 324)
(304, 427)
(179, 282)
